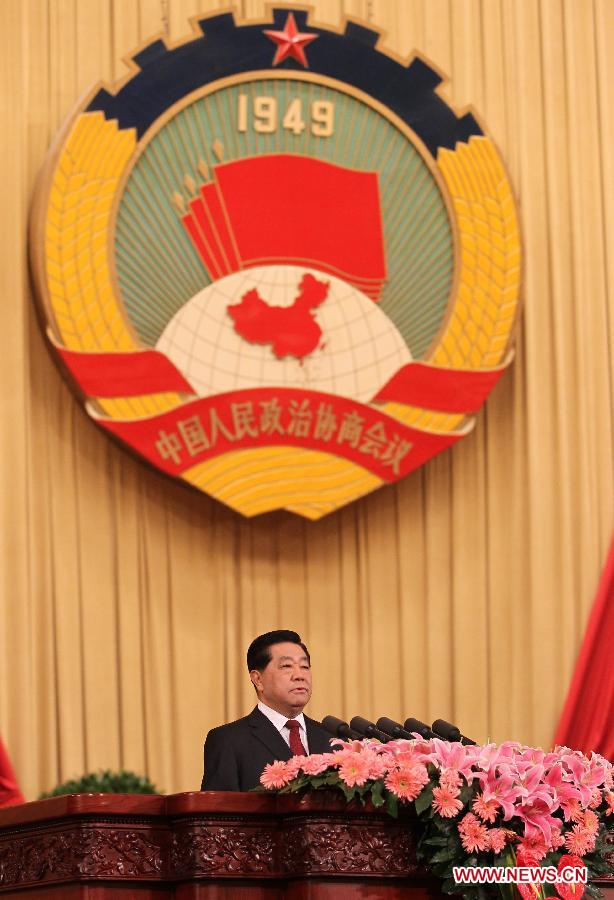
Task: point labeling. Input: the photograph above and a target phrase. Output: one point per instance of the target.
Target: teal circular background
(157, 266)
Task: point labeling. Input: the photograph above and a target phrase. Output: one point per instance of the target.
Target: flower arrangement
(503, 805)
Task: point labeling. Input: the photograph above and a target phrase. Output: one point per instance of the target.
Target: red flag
(283, 209)
(588, 716)
(10, 795)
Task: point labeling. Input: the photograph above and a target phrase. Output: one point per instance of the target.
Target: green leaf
(509, 857)
(377, 795)
(300, 781)
(446, 869)
(392, 805)
(444, 855)
(437, 841)
(423, 800)
(466, 793)
(348, 791)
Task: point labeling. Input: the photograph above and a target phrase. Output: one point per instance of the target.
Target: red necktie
(296, 745)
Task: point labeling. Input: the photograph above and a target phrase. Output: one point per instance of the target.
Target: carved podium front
(213, 845)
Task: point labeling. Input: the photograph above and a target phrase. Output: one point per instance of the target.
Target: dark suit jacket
(236, 754)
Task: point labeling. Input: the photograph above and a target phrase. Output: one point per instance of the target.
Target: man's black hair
(259, 652)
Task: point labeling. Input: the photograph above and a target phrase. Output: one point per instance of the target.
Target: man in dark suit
(236, 754)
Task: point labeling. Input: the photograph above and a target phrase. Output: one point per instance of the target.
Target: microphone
(416, 725)
(451, 733)
(446, 730)
(339, 728)
(392, 728)
(368, 729)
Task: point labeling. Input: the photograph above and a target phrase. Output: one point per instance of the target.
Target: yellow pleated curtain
(127, 601)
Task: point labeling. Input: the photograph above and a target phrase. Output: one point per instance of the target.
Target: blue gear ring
(227, 49)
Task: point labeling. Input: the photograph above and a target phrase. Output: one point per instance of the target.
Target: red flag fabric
(10, 795)
(587, 722)
(286, 208)
(283, 209)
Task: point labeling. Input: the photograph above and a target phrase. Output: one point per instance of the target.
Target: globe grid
(359, 351)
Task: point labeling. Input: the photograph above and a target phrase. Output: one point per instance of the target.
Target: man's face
(285, 684)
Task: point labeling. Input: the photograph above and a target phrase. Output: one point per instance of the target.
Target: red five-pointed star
(290, 42)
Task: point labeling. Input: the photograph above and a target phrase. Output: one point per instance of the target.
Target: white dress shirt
(279, 721)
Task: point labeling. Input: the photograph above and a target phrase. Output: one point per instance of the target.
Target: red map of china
(290, 330)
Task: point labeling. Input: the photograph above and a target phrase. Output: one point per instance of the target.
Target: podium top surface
(173, 805)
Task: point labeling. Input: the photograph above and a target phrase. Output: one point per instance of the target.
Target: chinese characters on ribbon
(318, 423)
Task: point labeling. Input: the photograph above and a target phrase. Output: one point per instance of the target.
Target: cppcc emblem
(276, 264)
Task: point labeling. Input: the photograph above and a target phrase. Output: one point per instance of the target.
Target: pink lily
(565, 791)
(537, 814)
(587, 774)
(503, 789)
(454, 755)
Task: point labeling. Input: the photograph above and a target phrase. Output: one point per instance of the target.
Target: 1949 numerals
(263, 115)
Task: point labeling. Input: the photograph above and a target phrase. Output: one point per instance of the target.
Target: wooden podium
(206, 845)
(210, 845)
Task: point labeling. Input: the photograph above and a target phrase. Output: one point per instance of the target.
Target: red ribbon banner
(210, 426)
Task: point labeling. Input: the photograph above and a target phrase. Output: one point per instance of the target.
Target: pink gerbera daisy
(590, 821)
(556, 839)
(531, 848)
(294, 766)
(408, 781)
(474, 835)
(378, 765)
(595, 799)
(451, 780)
(572, 810)
(579, 841)
(315, 764)
(275, 775)
(486, 809)
(355, 769)
(497, 839)
(446, 802)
